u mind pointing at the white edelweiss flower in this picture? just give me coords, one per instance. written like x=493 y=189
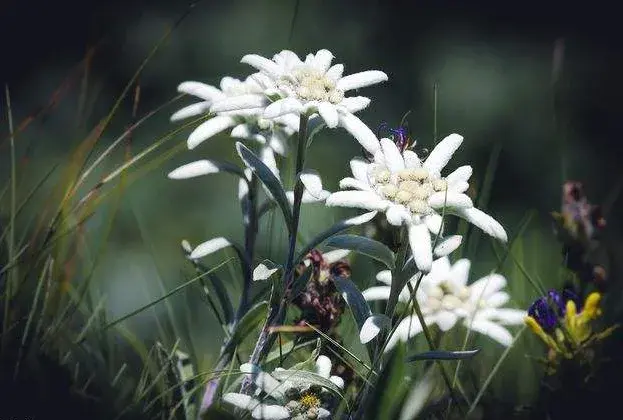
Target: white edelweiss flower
x=246 y=124
x=287 y=398
x=445 y=298
x=309 y=87
x=413 y=193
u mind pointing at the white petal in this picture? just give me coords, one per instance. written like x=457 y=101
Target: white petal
x=311 y=181
x=359 y=168
x=337 y=381
x=491 y=329
x=433 y=223
x=335 y=72
x=376 y=293
x=209 y=247
x=459 y=186
x=264 y=271
x=442 y=199
x=397 y=215
x=268 y=158
x=328 y=112
x=411 y=159
x=282 y=107
x=445 y=320
x=291 y=122
x=417 y=397
x=361 y=219
x=420 y=241
x=462 y=173
x=498 y=299
x=442 y=153
x=249 y=368
x=191 y=111
x=486 y=286
x=485 y=222
x=360 y=132
x=322 y=60
x=372 y=326
x=208 y=129
x=409 y=327
x=193 y=169
x=240 y=400
x=393 y=157
x=278 y=141
x=201 y=90
x=508 y=316
x=384 y=276
x=266 y=66
x=336 y=255
x=362 y=79
x=241 y=131
x=323 y=413
x=352 y=183
x=447 y=245
x=270 y=412
x=323 y=366
x=239 y=102
x=460 y=271
x=355 y=104
x=359 y=199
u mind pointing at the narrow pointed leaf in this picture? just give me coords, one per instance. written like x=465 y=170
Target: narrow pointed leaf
x=249 y=322
x=443 y=355
x=301 y=282
x=365 y=246
x=340 y=226
x=354 y=299
x=270 y=181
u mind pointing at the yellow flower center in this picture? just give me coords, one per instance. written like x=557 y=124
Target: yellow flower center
x=311 y=85
x=310 y=401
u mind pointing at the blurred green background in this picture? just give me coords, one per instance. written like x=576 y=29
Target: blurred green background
x=494 y=69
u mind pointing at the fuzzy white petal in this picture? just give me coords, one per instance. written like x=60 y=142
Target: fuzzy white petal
x=442 y=153
x=421 y=247
x=193 y=169
x=328 y=112
x=352 y=183
x=359 y=168
x=355 y=104
x=409 y=327
x=483 y=221
x=376 y=293
x=268 y=158
x=433 y=223
x=362 y=79
x=459 y=272
x=446 y=320
x=491 y=329
x=270 y=412
x=359 y=199
x=411 y=159
x=336 y=255
x=206 y=92
x=282 y=107
x=372 y=326
x=335 y=72
x=208 y=129
x=498 y=299
x=442 y=199
x=263 y=64
x=508 y=316
x=322 y=60
x=360 y=132
x=487 y=285
x=312 y=182
x=393 y=157
x=209 y=247
x=447 y=245
x=323 y=366
x=384 y=276
x=239 y=102
x=462 y=173
x=191 y=111
x=337 y=381
x=240 y=400
x=397 y=215
x=263 y=272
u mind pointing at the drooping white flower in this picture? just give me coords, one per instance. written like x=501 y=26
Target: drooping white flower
x=247 y=124
x=413 y=193
x=287 y=398
x=308 y=87
x=445 y=298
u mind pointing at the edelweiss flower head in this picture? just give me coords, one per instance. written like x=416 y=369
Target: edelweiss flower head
x=412 y=193
x=246 y=124
x=289 y=398
x=312 y=86
x=445 y=297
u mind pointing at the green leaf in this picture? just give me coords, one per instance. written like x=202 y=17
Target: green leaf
x=270 y=181
x=249 y=322
x=443 y=355
x=336 y=228
x=390 y=389
x=354 y=299
x=310 y=363
x=365 y=246
x=301 y=282
x=307 y=378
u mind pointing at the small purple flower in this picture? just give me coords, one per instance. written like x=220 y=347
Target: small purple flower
x=544 y=314
x=400 y=136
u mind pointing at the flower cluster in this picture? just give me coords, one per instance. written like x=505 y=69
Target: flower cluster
x=281 y=395
x=564 y=325
x=445 y=297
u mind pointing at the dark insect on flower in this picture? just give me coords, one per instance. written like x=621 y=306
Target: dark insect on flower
x=400 y=135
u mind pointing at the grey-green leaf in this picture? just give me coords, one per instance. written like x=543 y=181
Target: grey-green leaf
x=354 y=299
x=365 y=246
x=340 y=226
x=308 y=378
x=443 y=355
x=249 y=322
x=270 y=181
